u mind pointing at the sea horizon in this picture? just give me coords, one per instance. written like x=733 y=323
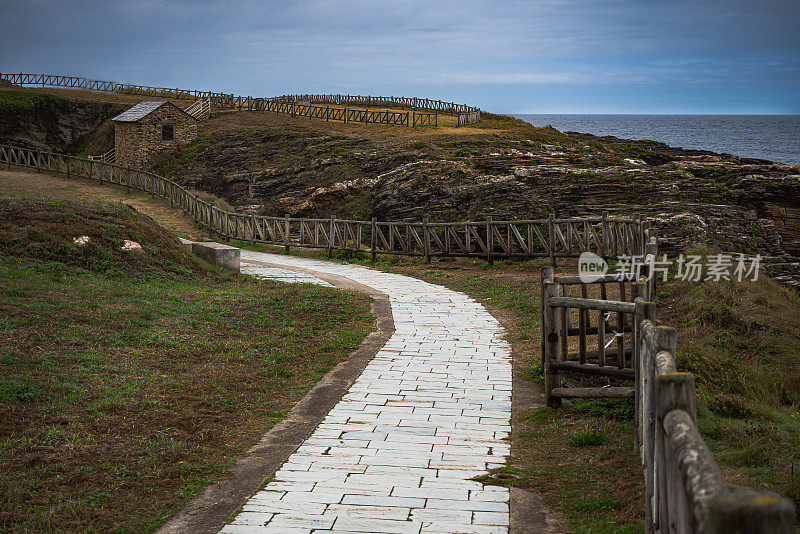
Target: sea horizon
x=762 y=136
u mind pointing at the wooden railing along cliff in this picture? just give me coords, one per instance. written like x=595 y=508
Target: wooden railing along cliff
x=536 y=238
x=685 y=489
x=303 y=104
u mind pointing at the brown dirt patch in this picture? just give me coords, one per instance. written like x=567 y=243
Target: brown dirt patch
x=54 y=187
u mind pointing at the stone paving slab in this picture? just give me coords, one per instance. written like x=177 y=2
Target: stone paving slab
x=280 y=275
x=396 y=454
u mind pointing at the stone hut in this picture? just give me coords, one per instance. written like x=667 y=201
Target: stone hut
x=149 y=128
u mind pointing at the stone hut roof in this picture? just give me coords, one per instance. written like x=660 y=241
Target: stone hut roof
x=143 y=109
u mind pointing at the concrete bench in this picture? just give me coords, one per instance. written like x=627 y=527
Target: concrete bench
x=221 y=255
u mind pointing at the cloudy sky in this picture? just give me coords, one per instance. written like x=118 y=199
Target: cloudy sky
x=539 y=56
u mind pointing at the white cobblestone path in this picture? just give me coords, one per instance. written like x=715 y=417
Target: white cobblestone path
x=397 y=453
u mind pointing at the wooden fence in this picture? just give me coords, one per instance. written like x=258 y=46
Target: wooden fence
x=538 y=238
x=302 y=104
x=76 y=82
x=471 y=117
x=685 y=490
x=380 y=101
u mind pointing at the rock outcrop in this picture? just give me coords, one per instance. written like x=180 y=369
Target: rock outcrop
x=738 y=204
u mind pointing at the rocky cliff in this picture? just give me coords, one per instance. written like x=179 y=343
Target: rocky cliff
x=741 y=205
x=48 y=122
x=503 y=168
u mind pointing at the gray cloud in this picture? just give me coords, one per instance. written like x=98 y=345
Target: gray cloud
x=492 y=53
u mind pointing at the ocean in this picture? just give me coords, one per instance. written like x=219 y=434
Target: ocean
x=772 y=137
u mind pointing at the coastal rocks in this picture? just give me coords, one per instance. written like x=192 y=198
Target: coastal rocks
x=739 y=205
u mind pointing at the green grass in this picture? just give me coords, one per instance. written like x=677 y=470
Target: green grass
x=128 y=383
x=21 y=101
x=590 y=438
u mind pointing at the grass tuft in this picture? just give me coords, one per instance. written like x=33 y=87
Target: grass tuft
x=590 y=438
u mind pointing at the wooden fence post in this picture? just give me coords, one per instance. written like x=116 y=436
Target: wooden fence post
x=672 y=390
x=605 y=239
x=426 y=241
x=69 y=166
x=547 y=276
x=252 y=227
x=102 y=173
x=638 y=317
x=38 y=159
x=551 y=238
x=551 y=331
x=286 y=228
x=330 y=237
x=373 y=239
x=489 y=241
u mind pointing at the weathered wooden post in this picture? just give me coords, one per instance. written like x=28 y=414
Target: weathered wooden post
x=252 y=227
x=373 y=239
x=489 y=241
x=69 y=166
x=642 y=376
x=286 y=228
x=551 y=331
x=547 y=276
x=551 y=238
x=331 y=230
x=38 y=161
x=426 y=241
x=673 y=390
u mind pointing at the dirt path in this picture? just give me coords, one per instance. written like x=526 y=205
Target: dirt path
x=59 y=188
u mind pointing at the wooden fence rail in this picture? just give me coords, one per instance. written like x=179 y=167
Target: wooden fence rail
x=685 y=490
x=379 y=101
x=223 y=101
x=537 y=238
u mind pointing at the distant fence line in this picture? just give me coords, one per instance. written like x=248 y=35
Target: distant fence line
x=685 y=491
x=345 y=114
x=380 y=101
x=537 y=238
x=466 y=114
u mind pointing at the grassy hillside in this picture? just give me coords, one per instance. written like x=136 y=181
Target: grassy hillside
x=131 y=379
x=741 y=341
